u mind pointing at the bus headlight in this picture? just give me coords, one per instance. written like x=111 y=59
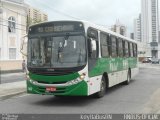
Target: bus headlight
x=81 y=77
x=78 y=80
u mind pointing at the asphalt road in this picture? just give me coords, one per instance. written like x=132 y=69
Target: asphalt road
x=141 y=96
x=12 y=77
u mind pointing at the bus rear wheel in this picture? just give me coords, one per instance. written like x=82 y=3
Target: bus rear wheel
x=102 y=91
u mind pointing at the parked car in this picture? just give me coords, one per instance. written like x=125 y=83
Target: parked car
x=146 y=60
x=155 y=61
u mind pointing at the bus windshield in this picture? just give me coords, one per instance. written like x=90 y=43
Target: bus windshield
x=57 y=52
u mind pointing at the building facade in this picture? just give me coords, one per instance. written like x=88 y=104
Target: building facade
x=12 y=29
x=36 y=16
x=119 y=28
x=132 y=36
x=137 y=29
x=150 y=27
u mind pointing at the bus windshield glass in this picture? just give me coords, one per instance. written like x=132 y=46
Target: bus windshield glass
x=57 y=52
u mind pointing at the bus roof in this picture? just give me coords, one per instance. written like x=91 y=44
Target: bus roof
x=93 y=25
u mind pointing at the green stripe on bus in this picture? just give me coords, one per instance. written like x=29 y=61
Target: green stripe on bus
x=110 y=65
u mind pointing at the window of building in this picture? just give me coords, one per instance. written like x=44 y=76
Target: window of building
x=11 y=25
x=12 y=53
x=104 y=38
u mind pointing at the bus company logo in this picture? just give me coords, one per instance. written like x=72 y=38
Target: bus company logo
x=50 y=69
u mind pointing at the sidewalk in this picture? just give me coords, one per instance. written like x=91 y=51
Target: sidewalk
x=11 y=89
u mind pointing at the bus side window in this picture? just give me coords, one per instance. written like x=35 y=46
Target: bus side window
x=104 y=38
x=124 y=52
x=114 y=46
x=126 y=49
x=117 y=47
x=120 y=47
x=135 y=50
x=131 y=50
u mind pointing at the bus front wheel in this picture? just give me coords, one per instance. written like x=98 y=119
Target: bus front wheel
x=102 y=91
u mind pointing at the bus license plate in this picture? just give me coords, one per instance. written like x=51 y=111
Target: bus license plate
x=50 y=89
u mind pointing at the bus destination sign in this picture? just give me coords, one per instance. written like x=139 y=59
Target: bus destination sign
x=56 y=27
x=59 y=28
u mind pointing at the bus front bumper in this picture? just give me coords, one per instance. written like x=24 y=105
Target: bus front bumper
x=66 y=89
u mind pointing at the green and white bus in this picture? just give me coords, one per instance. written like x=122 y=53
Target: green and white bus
x=77 y=58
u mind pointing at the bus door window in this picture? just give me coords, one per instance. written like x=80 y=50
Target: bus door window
x=92 y=47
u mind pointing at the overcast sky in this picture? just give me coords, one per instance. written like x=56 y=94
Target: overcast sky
x=104 y=12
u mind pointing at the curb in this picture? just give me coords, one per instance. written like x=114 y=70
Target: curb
x=9 y=90
x=4 y=97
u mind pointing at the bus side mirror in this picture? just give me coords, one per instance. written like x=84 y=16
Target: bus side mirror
x=23 y=49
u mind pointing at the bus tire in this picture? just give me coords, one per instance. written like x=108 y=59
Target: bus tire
x=102 y=91
x=128 y=78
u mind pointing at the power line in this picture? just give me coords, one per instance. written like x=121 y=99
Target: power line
x=14 y=28
x=4 y=20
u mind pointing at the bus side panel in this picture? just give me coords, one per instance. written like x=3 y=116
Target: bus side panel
x=116 y=68
x=94 y=84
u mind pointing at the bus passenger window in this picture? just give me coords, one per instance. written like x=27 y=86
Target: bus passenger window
x=104 y=38
x=131 y=50
x=135 y=50
x=114 y=46
x=126 y=49
x=120 y=47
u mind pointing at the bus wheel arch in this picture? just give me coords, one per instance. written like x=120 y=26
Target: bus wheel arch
x=129 y=74
x=129 y=70
x=103 y=86
x=105 y=75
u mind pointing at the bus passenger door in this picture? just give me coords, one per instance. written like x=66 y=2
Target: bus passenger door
x=93 y=54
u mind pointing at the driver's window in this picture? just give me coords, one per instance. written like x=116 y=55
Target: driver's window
x=93 y=43
x=93 y=48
